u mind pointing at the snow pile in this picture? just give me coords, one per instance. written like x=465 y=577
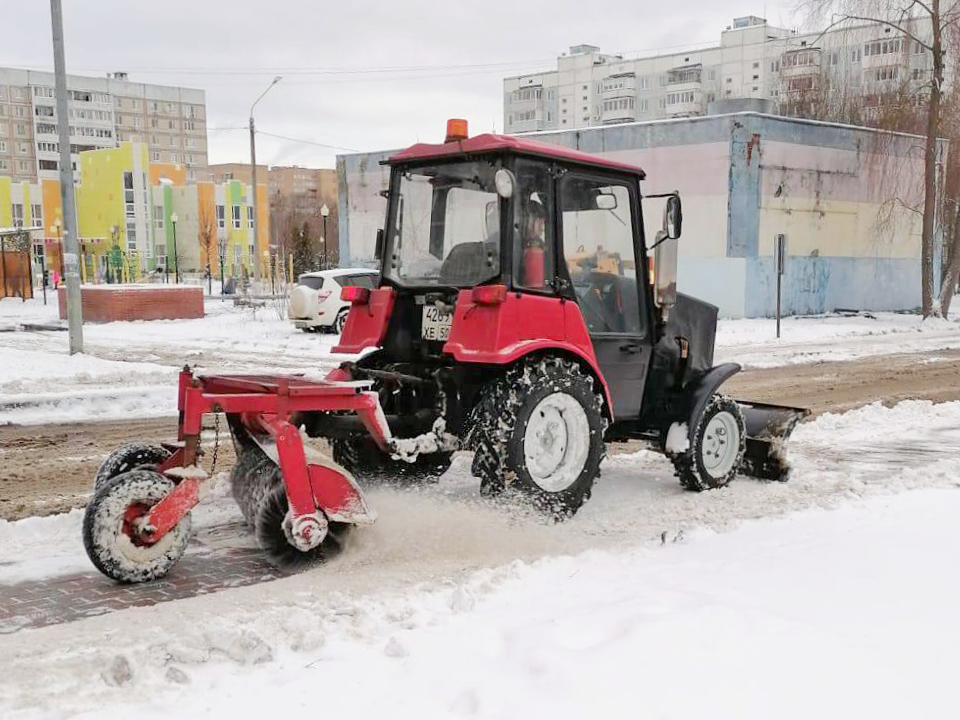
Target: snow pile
x=57 y=535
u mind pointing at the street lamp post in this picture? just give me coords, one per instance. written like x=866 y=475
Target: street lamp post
x=222 y=249
x=324 y=213
x=176 y=255
x=253 y=175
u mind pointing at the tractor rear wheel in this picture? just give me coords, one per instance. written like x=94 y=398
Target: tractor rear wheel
x=129 y=457
x=716 y=449
x=368 y=463
x=109 y=528
x=539 y=430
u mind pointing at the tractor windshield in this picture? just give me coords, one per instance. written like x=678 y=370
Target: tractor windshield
x=445 y=227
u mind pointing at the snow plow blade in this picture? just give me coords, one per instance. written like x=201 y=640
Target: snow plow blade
x=768 y=428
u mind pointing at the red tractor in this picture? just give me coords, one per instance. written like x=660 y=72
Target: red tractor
x=522 y=313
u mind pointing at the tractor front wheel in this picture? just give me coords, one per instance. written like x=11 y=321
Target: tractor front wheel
x=110 y=534
x=539 y=430
x=716 y=448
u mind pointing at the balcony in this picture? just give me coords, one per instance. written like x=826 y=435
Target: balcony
x=685 y=78
x=683 y=103
x=617 y=85
x=618 y=109
x=800 y=63
x=885 y=53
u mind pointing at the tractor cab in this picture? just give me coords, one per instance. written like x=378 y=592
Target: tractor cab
x=532 y=218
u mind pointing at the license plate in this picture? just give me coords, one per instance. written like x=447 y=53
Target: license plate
x=436 y=325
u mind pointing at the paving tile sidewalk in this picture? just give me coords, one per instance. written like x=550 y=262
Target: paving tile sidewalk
x=66 y=598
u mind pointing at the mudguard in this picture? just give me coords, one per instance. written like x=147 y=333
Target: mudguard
x=701 y=392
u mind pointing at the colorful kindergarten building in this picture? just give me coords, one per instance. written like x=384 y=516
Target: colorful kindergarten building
x=137 y=218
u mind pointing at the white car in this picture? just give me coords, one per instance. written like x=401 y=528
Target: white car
x=315 y=304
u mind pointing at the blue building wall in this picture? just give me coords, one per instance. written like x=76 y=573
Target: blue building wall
x=730 y=208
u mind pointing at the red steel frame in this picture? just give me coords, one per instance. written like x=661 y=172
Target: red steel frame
x=265 y=404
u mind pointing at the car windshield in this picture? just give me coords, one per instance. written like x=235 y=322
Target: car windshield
x=446 y=227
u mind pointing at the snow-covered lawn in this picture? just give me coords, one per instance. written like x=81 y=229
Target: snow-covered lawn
x=651 y=602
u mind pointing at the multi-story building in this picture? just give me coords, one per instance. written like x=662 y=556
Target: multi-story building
x=134 y=214
x=297 y=196
x=753 y=60
x=169 y=121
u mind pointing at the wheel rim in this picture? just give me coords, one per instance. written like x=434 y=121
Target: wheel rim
x=720 y=444
x=556 y=442
x=341 y=321
x=129 y=542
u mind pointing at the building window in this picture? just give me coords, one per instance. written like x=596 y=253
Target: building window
x=235 y=210
x=221 y=221
x=855 y=55
x=3 y=165
x=23 y=166
x=17 y=215
x=36 y=214
x=249 y=216
x=3 y=146
x=158 y=217
x=132 y=237
x=23 y=148
x=128 y=195
x=48 y=165
x=20 y=130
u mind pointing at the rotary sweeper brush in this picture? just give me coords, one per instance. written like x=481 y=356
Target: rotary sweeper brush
x=520 y=313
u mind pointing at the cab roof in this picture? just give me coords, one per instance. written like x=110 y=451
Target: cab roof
x=509 y=143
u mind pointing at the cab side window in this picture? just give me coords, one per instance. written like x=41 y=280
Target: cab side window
x=598 y=250
x=534 y=246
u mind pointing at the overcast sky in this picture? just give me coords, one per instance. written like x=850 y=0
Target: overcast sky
x=446 y=59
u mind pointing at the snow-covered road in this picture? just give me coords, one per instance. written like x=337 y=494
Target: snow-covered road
x=426 y=595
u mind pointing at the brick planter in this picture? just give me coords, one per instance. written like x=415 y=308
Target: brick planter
x=107 y=303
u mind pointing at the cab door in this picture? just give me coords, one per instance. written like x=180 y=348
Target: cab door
x=599 y=218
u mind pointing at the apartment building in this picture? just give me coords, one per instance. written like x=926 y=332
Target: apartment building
x=297 y=195
x=170 y=121
x=753 y=60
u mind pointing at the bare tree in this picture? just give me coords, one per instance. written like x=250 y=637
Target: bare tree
x=951 y=206
x=207 y=237
x=925 y=23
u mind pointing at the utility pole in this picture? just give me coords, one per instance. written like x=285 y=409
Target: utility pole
x=253 y=177
x=71 y=246
x=324 y=213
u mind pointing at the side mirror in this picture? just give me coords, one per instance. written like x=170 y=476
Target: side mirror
x=378 y=250
x=606 y=201
x=673 y=217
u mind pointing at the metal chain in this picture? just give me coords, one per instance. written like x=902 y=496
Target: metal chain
x=216 y=442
